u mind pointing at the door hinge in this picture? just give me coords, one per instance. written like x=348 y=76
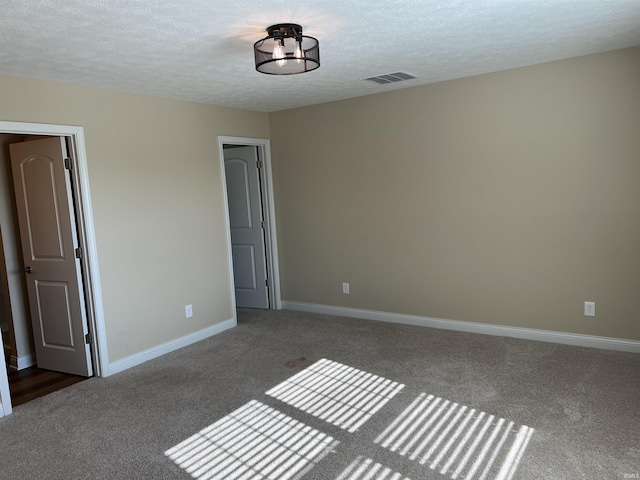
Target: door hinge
x=79 y=252
x=262 y=224
x=268 y=282
x=259 y=163
x=67 y=163
x=87 y=339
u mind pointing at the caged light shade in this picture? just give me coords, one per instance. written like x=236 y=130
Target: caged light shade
x=286 y=51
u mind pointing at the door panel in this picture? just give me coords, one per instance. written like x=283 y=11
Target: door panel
x=55 y=323
x=44 y=227
x=244 y=267
x=238 y=177
x=52 y=271
x=247 y=234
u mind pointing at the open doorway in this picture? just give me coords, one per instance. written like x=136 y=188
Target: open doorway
x=18 y=334
x=250 y=217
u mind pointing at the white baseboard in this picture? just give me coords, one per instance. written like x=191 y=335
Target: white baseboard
x=26 y=361
x=146 y=355
x=576 y=339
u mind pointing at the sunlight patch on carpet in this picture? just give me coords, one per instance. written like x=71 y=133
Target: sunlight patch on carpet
x=255 y=441
x=366 y=469
x=456 y=440
x=341 y=395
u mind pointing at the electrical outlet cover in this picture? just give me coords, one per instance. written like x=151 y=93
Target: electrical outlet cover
x=589 y=309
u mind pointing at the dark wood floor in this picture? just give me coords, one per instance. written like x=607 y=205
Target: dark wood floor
x=30 y=383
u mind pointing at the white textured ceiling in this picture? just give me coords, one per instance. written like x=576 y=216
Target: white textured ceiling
x=201 y=50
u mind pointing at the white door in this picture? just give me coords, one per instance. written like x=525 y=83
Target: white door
x=247 y=227
x=48 y=234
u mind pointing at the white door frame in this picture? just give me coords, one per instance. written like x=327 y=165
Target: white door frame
x=5 y=394
x=273 y=272
x=91 y=274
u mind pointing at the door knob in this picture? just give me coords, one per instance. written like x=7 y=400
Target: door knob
x=29 y=270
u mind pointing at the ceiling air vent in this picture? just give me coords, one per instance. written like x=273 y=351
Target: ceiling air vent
x=390 y=78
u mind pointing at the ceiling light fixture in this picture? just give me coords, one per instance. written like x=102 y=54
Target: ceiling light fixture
x=285 y=51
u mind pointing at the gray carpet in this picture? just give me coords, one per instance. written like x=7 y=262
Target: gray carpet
x=579 y=409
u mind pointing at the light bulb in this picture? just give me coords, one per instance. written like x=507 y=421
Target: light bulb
x=299 y=54
x=278 y=52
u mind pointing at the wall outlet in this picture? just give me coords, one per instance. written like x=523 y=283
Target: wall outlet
x=345 y=288
x=188 y=311
x=589 y=309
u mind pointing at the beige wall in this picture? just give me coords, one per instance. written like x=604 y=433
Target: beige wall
x=157 y=202
x=507 y=198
